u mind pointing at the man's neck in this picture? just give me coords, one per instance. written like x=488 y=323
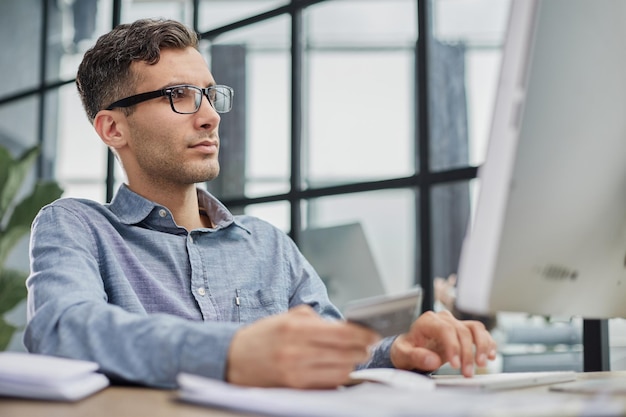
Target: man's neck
x=182 y=203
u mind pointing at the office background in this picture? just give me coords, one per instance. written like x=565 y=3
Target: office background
x=373 y=112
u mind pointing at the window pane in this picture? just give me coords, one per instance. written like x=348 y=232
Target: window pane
x=83 y=21
x=359 y=130
x=464 y=68
x=359 y=90
x=18 y=124
x=81 y=155
x=20 y=38
x=215 y=13
x=50 y=134
x=617 y=342
x=255 y=144
x=181 y=10
x=275 y=213
x=390 y=238
x=363 y=23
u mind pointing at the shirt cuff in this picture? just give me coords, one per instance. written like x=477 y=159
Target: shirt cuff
x=205 y=352
x=381 y=357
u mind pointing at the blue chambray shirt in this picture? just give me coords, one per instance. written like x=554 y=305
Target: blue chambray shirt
x=122 y=285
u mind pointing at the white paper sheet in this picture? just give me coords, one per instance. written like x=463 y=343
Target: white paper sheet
x=376 y=400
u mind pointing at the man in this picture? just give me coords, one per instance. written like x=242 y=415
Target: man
x=165 y=279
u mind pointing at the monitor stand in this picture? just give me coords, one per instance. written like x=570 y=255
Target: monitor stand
x=596 y=353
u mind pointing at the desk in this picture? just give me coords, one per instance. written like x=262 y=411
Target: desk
x=114 y=401
x=137 y=402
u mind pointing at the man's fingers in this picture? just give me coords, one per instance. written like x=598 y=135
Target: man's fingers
x=485 y=345
x=297 y=349
x=473 y=344
x=420 y=358
x=461 y=351
x=456 y=339
x=338 y=334
x=343 y=335
x=311 y=355
x=461 y=343
x=319 y=377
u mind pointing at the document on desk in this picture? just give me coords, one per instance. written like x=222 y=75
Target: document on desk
x=27 y=375
x=376 y=400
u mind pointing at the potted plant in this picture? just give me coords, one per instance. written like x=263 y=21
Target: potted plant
x=16 y=216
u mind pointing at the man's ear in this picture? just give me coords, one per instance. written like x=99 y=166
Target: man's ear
x=112 y=128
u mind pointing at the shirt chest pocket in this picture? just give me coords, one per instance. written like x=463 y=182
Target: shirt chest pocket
x=254 y=304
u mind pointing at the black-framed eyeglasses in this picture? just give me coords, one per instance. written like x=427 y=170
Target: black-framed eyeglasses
x=185 y=99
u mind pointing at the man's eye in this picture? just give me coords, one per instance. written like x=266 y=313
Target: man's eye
x=179 y=93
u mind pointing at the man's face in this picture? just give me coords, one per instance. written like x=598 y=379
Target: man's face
x=164 y=147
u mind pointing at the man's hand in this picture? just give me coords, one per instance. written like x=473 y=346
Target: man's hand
x=297 y=349
x=437 y=338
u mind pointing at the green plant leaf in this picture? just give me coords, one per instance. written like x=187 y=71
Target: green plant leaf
x=12 y=176
x=24 y=213
x=12 y=289
x=6 y=333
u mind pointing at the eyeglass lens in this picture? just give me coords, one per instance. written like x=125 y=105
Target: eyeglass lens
x=187 y=99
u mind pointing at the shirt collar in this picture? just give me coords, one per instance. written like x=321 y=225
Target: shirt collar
x=131 y=208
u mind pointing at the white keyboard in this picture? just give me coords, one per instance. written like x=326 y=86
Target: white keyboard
x=502 y=381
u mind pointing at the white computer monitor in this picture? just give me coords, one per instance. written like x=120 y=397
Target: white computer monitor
x=549 y=232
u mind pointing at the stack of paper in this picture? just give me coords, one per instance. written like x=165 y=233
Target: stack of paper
x=48 y=378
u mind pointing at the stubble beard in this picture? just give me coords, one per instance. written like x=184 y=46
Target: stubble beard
x=165 y=172
x=194 y=174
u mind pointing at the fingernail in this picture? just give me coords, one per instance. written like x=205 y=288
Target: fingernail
x=430 y=362
x=468 y=370
x=455 y=362
x=482 y=359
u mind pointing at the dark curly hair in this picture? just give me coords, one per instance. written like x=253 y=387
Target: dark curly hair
x=104 y=76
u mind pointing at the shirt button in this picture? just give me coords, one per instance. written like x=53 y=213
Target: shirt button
x=201 y=291
x=162 y=213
